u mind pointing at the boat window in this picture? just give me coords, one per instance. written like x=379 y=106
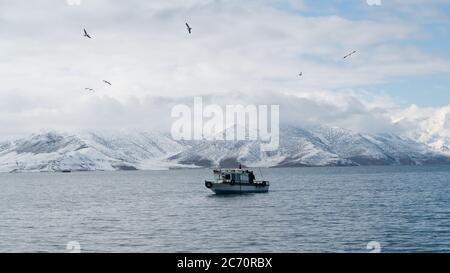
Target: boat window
x=236 y=177
x=244 y=177
x=217 y=176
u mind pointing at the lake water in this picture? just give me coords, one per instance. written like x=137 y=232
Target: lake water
x=405 y=209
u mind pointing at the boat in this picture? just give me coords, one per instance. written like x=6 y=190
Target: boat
x=232 y=181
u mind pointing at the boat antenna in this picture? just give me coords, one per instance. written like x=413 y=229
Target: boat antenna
x=260 y=172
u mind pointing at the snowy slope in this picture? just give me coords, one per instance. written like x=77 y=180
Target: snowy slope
x=430 y=126
x=316 y=146
x=54 y=151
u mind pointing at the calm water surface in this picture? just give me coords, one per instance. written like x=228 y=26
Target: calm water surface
x=405 y=209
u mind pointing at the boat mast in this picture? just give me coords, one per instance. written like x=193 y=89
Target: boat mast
x=260 y=172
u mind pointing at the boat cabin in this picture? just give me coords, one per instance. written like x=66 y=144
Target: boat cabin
x=236 y=181
x=234 y=176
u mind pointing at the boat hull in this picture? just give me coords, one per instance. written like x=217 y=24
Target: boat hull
x=224 y=188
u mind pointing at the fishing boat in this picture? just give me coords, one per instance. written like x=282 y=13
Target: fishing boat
x=229 y=181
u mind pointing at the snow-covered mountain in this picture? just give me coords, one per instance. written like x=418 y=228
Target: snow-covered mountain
x=430 y=126
x=317 y=146
x=54 y=151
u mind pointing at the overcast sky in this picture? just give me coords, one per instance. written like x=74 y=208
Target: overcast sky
x=241 y=51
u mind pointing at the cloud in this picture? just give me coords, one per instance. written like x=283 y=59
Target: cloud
x=237 y=47
x=428 y=125
x=154 y=113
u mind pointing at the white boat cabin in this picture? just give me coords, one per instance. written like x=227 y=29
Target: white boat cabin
x=234 y=176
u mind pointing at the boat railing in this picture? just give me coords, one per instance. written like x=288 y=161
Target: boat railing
x=227 y=181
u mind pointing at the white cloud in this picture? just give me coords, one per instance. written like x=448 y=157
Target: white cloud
x=236 y=47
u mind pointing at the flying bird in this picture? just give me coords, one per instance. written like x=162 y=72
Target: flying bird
x=189 y=28
x=89 y=89
x=346 y=56
x=86 y=34
x=301 y=74
x=107 y=82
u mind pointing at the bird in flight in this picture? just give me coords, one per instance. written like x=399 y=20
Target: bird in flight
x=86 y=34
x=189 y=28
x=346 y=56
x=107 y=82
x=89 y=89
x=301 y=74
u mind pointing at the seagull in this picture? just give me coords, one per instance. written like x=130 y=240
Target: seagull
x=89 y=89
x=301 y=74
x=189 y=28
x=346 y=56
x=86 y=34
x=107 y=82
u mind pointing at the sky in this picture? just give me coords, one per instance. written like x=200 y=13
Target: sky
x=240 y=51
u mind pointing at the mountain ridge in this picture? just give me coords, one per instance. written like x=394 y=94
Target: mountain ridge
x=139 y=150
